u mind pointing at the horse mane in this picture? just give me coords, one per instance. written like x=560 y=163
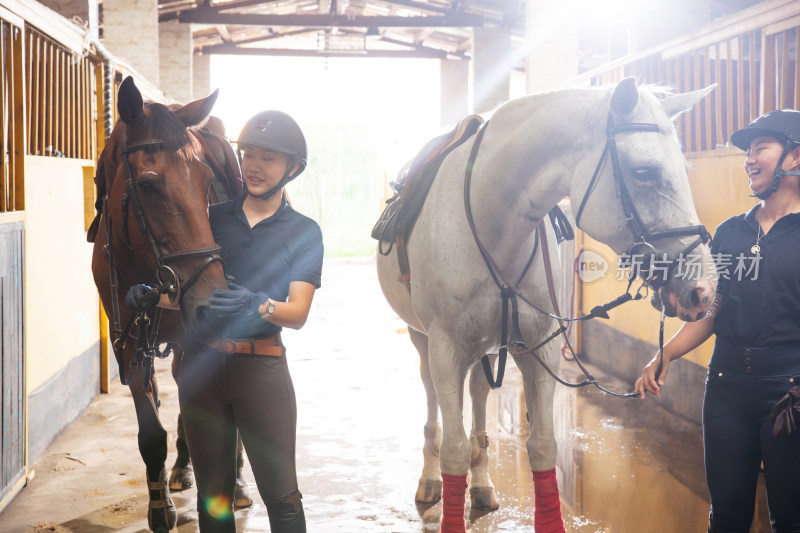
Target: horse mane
x=167 y=127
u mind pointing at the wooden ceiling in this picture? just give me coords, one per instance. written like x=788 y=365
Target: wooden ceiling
x=380 y=28
x=355 y=28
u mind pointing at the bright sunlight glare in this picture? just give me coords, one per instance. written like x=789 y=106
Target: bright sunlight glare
x=364 y=118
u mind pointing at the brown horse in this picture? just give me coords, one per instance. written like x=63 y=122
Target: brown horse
x=154 y=182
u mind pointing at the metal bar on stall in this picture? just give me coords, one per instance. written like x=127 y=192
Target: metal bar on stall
x=730 y=105
x=784 y=91
x=717 y=130
x=767 y=74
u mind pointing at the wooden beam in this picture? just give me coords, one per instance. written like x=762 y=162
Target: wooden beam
x=225 y=49
x=223 y=32
x=260 y=38
x=202 y=16
x=420 y=6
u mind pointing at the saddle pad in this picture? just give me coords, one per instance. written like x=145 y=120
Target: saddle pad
x=402 y=209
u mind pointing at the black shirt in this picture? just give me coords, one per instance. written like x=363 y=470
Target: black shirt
x=760 y=292
x=266 y=258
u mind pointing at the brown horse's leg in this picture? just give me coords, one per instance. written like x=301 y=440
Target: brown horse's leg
x=161 y=513
x=181 y=476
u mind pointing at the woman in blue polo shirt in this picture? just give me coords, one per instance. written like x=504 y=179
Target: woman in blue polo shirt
x=756 y=319
x=240 y=379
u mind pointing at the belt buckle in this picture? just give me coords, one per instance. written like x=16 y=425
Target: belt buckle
x=227 y=346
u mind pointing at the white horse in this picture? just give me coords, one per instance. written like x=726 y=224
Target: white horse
x=535 y=151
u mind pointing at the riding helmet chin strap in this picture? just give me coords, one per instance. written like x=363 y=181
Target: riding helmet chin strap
x=779 y=173
x=281 y=184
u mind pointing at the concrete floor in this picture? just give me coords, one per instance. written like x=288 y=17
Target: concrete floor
x=624 y=465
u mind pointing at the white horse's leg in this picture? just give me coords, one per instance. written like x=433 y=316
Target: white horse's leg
x=481 y=490
x=430 y=482
x=541 y=443
x=448 y=374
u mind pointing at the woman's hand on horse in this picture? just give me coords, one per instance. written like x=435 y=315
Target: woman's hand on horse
x=236 y=300
x=648 y=380
x=141 y=297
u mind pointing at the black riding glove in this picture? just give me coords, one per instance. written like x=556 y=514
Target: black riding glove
x=141 y=297
x=235 y=301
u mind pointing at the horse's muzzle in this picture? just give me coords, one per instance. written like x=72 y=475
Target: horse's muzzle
x=687 y=303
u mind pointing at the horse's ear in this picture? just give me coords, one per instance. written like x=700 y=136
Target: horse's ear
x=129 y=101
x=624 y=97
x=196 y=112
x=681 y=103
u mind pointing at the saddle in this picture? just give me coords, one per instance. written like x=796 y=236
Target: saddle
x=397 y=220
x=410 y=190
x=225 y=185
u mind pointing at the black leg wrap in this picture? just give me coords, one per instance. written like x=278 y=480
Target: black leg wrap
x=288 y=516
x=161 y=512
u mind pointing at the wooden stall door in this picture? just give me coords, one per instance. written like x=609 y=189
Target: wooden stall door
x=12 y=363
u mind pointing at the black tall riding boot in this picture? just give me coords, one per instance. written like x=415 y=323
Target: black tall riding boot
x=287 y=516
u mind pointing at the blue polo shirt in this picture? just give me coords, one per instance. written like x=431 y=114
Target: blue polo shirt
x=266 y=258
x=761 y=292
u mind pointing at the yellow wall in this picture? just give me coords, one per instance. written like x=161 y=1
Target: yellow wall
x=61 y=305
x=720 y=190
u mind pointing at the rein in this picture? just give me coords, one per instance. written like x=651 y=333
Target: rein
x=167 y=280
x=510 y=293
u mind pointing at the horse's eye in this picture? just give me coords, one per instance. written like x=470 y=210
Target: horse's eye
x=147 y=187
x=645 y=176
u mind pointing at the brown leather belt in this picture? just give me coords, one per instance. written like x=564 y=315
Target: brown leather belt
x=268 y=346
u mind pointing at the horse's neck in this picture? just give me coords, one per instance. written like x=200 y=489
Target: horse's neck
x=532 y=149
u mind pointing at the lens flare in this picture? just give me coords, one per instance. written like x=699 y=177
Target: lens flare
x=219 y=507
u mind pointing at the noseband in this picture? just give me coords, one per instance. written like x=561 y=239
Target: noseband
x=642 y=237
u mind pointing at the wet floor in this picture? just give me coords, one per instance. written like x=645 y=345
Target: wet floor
x=623 y=466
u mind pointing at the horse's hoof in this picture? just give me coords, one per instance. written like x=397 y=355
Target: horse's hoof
x=181 y=478
x=429 y=491
x=483 y=499
x=241 y=498
x=162 y=519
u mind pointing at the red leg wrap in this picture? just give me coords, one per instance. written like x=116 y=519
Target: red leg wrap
x=547 y=504
x=454 y=489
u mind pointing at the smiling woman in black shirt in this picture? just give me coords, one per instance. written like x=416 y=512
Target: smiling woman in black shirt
x=240 y=379
x=756 y=319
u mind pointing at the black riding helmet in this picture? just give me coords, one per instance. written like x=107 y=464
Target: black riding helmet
x=783 y=125
x=276 y=131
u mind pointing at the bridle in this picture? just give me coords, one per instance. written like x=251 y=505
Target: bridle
x=167 y=281
x=642 y=238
